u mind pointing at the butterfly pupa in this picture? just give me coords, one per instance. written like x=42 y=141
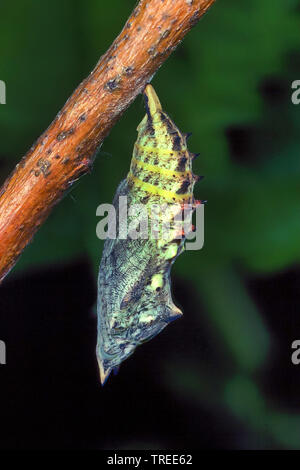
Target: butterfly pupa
x=134 y=293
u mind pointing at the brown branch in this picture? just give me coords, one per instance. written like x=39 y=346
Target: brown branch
x=65 y=151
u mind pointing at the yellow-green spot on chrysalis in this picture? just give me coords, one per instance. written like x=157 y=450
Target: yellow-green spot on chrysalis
x=171 y=251
x=157 y=281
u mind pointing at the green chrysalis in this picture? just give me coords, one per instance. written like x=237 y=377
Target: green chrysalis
x=134 y=294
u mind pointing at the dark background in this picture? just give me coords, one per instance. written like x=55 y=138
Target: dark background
x=222 y=376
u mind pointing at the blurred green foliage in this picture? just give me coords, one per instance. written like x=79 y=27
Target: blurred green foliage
x=211 y=84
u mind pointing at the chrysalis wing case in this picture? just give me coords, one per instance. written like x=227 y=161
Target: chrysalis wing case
x=134 y=294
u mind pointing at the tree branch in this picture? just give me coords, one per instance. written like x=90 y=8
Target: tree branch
x=65 y=151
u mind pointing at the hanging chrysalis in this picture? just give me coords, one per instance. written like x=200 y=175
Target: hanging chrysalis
x=134 y=294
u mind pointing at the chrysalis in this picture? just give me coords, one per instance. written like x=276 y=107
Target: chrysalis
x=134 y=294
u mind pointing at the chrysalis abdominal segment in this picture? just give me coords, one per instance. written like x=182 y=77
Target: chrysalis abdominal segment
x=134 y=293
